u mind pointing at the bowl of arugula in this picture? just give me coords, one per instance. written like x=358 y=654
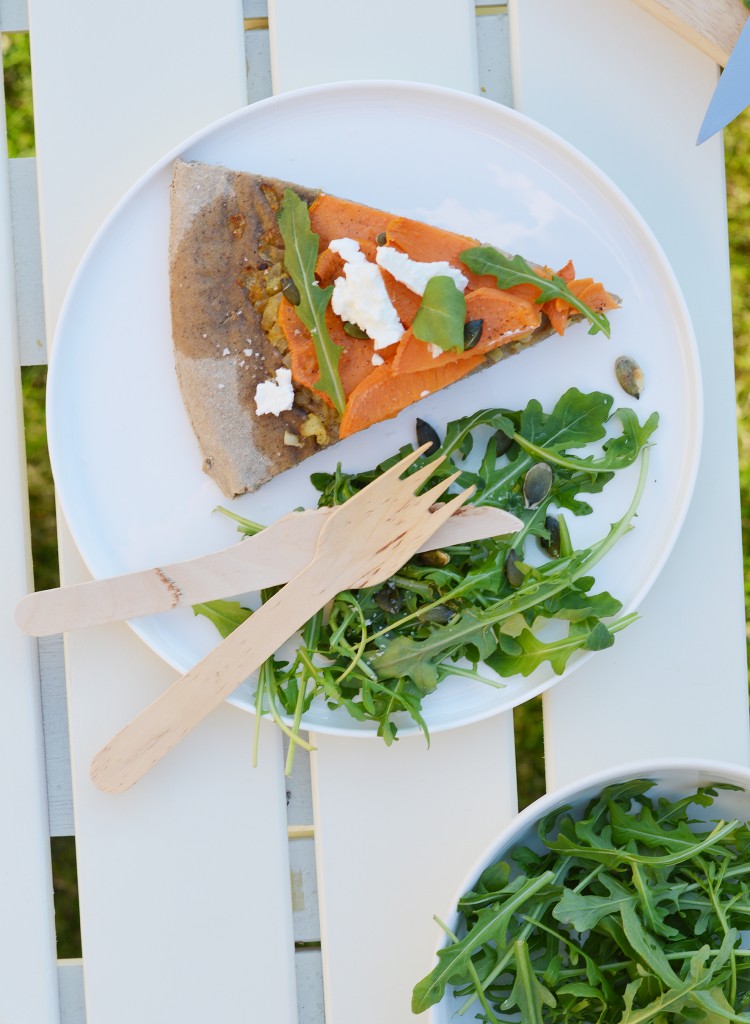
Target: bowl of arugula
x=624 y=898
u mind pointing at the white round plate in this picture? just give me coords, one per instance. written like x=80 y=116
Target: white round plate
x=125 y=461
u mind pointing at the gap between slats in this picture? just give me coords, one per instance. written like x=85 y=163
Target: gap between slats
x=14 y=16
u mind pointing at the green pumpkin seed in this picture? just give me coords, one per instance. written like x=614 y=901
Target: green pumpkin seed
x=382 y=238
x=502 y=442
x=427 y=434
x=290 y=291
x=629 y=376
x=537 y=484
x=434 y=559
x=472 y=333
x=441 y=614
x=513 y=574
x=354 y=330
x=389 y=598
x=552 y=543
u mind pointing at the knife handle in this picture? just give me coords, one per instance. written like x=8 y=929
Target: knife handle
x=97 y=601
x=161 y=726
x=266 y=559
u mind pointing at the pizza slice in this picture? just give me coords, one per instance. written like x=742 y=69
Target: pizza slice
x=300 y=318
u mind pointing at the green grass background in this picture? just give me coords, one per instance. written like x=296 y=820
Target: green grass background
x=528 y=721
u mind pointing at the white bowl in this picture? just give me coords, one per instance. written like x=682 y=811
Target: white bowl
x=673 y=778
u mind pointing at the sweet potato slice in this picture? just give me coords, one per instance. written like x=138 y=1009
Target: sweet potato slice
x=593 y=293
x=428 y=244
x=384 y=393
x=355 y=362
x=505 y=318
x=531 y=292
x=404 y=299
x=331 y=218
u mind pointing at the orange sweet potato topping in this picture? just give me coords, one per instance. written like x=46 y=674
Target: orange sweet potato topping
x=331 y=218
x=355 y=362
x=428 y=244
x=410 y=371
x=593 y=293
x=384 y=393
x=505 y=317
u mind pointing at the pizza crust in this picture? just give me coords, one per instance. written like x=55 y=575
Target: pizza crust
x=222 y=231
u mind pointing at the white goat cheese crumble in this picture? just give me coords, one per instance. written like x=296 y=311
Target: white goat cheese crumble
x=360 y=296
x=275 y=396
x=414 y=274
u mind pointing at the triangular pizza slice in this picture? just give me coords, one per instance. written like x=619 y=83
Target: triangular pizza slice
x=299 y=318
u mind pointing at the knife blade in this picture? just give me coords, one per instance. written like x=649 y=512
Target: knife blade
x=267 y=559
x=732 y=93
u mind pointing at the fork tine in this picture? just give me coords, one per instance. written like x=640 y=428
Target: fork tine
x=440 y=488
x=403 y=464
x=421 y=475
x=446 y=509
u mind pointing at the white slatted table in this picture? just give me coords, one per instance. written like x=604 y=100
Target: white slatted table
x=187 y=910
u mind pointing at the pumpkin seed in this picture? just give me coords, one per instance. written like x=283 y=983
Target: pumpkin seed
x=290 y=291
x=441 y=614
x=435 y=559
x=502 y=442
x=537 y=484
x=551 y=544
x=427 y=434
x=354 y=330
x=381 y=238
x=390 y=598
x=629 y=376
x=513 y=574
x=472 y=333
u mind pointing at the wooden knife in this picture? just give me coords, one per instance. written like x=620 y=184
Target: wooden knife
x=266 y=559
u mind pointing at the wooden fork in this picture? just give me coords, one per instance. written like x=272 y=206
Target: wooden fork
x=362 y=543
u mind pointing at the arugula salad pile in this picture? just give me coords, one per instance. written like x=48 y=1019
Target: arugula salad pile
x=381 y=651
x=632 y=912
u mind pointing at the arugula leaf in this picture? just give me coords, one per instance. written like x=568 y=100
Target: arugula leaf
x=523 y=654
x=225 y=615
x=576 y=420
x=585 y=912
x=419 y=659
x=528 y=993
x=441 y=314
x=490 y=924
x=300 y=256
x=512 y=270
x=576 y=603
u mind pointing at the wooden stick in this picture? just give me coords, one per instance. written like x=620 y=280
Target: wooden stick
x=713 y=27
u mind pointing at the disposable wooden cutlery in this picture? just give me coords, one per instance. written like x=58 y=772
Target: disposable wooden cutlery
x=361 y=543
x=266 y=559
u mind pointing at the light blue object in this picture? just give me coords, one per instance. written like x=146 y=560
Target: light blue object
x=732 y=94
